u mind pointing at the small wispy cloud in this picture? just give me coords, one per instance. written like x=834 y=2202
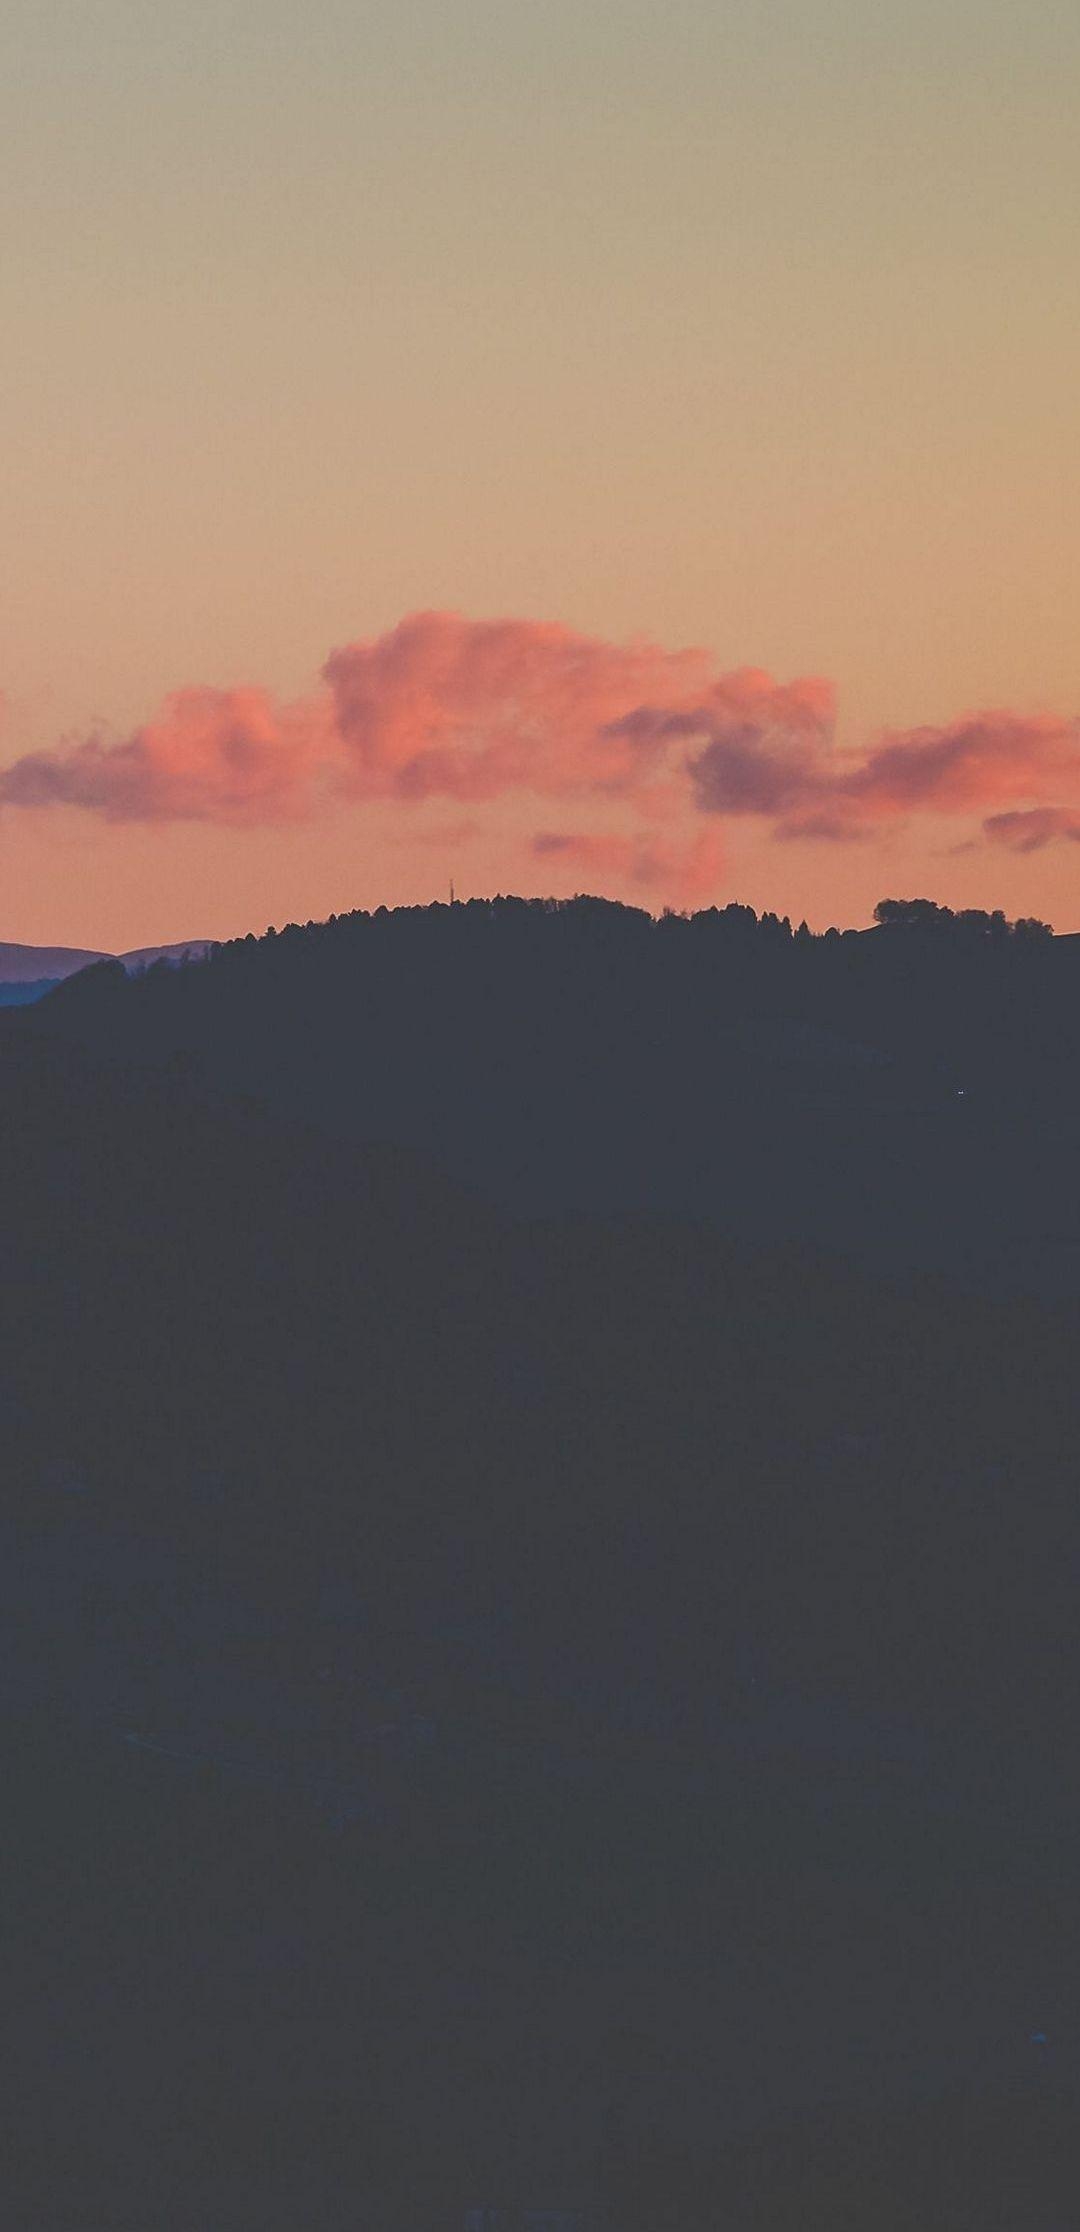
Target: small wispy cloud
x=1029 y=831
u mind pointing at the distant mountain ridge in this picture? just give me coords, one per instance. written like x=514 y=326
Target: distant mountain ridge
x=26 y=964
x=26 y=971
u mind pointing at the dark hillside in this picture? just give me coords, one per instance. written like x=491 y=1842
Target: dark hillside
x=517 y=1684
x=863 y=1092
x=909 y=1094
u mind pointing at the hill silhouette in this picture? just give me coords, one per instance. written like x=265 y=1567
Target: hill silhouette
x=909 y=1094
x=536 y=1662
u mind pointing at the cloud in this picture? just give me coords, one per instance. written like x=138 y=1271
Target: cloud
x=959 y=768
x=226 y=756
x=824 y=825
x=688 y=871
x=442 y=836
x=470 y=712
x=472 y=709
x=1030 y=831
x=438 y=707
x=971 y=763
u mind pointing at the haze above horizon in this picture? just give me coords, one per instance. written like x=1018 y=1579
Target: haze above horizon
x=334 y=336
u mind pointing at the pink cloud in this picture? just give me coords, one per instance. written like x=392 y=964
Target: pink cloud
x=1030 y=831
x=688 y=871
x=443 y=835
x=971 y=763
x=212 y=755
x=959 y=768
x=471 y=709
x=467 y=711
x=440 y=706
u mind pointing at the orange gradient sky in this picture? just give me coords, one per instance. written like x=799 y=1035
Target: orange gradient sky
x=750 y=328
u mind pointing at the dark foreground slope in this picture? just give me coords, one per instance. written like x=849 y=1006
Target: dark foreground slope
x=910 y=1094
x=503 y=1707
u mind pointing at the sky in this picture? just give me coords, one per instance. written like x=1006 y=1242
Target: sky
x=575 y=446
